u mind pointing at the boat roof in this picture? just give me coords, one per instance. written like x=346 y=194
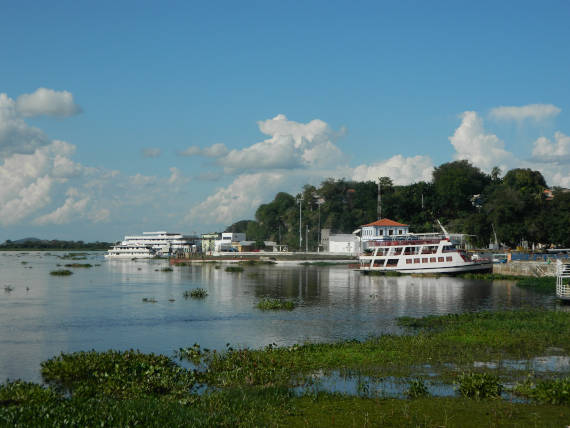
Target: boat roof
x=385 y=222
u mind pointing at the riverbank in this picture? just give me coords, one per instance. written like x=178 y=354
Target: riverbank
x=286 y=386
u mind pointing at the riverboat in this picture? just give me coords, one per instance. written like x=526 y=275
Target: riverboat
x=392 y=248
x=126 y=251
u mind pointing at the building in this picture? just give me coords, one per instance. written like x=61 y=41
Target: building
x=383 y=229
x=208 y=242
x=229 y=242
x=164 y=243
x=343 y=244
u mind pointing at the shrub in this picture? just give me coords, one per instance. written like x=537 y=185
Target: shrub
x=552 y=391
x=61 y=272
x=417 y=389
x=268 y=304
x=479 y=385
x=197 y=293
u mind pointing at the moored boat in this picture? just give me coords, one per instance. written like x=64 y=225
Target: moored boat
x=389 y=246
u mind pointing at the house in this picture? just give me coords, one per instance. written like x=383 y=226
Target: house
x=383 y=229
x=229 y=240
x=208 y=242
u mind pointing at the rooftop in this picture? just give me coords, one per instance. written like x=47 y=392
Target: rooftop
x=386 y=222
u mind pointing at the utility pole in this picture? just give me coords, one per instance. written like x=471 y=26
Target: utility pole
x=379 y=198
x=306 y=238
x=300 y=201
x=320 y=201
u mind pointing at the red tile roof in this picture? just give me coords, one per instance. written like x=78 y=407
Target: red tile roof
x=385 y=222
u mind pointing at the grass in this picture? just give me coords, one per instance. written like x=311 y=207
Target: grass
x=78 y=265
x=234 y=269
x=269 y=304
x=252 y=387
x=197 y=293
x=61 y=272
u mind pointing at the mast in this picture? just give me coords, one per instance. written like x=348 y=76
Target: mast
x=379 y=210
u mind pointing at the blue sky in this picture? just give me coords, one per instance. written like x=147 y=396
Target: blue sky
x=332 y=89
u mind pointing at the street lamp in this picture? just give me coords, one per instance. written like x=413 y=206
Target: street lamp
x=300 y=201
x=320 y=201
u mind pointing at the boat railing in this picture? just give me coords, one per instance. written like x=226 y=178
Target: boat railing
x=562 y=280
x=403 y=241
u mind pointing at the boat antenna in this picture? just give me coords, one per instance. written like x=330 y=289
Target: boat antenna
x=379 y=198
x=442 y=228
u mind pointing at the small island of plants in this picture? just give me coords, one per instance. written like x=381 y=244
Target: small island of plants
x=61 y=272
x=269 y=304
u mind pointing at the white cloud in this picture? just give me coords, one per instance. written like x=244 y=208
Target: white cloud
x=151 y=152
x=72 y=209
x=471 y=142
x=400 y=169
x=176 y=178
x=292 y=145
x=536 y=112
x=213 y=151
x=142 y=180
x=15 y=135
x=557 y=151
x=47 y=102
x=240 y=199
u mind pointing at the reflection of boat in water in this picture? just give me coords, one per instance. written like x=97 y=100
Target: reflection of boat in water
x=389 y=246
x=133 y=251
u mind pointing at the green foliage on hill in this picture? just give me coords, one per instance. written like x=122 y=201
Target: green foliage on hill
x=461 y=196
x=54 y=244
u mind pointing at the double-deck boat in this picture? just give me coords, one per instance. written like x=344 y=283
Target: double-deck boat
x=389 y=246
x=152 y=244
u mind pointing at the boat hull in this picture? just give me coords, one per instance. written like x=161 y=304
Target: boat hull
x=467 y=267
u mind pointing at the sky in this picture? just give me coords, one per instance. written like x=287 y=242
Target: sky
x=123 y=117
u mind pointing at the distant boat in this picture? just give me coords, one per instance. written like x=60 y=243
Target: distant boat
x=395 y=249
x=152 y=244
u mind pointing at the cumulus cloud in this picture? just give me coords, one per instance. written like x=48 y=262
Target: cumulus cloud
x=291 y=145
x=557 y=151
x=537 y=112
x=482 y=149
x=151 y=152
x=16 y=136
x=47 y=102
x=238 y=199
x=74 y=207
x=213 y=151
x=402 y=170
x=26 y=180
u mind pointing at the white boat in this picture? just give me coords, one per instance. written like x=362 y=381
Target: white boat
x=388 y=246
x=153 y=244
x=130 y=251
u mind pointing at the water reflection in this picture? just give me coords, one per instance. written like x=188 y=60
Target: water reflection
x=102 y=307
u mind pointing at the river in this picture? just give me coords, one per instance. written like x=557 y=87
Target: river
x=102 y=307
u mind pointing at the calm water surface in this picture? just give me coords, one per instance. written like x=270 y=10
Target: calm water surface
x=102 y=308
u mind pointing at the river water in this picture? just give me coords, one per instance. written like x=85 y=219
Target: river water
x=102 y=307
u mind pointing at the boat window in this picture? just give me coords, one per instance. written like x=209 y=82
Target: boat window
x=408 y=261
x=424 y=260
x=449 y=258
x=432 y=260
x=416 y=261
x=392 y=262
x=390 y=232
x=440 y=259
x=398 y=251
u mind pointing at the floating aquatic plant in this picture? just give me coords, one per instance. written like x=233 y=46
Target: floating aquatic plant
x=61 y=272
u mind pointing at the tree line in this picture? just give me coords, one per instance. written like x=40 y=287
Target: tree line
x=515 y=207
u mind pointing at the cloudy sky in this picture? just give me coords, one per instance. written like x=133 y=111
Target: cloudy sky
x=119 y=117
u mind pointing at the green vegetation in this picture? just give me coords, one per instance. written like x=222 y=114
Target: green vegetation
x=79 y=265
x=546 y=284
x=257 y=262
x=61 y=272
x=166 y=269
x=479 y=385
x=8 y=288
x=74 y=256
x=253 y=387
x=551 y=391
x=463 y=197
x=149 y=300
x=234 y=269
x=268 y=304
x=197 y=293
x=33 y=244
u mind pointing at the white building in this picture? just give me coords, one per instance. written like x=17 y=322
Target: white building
x=383 y=229
x=163 y=243
x=344 y=244
x=229 y=238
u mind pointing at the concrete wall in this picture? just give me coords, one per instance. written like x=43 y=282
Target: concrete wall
x=526 y=268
